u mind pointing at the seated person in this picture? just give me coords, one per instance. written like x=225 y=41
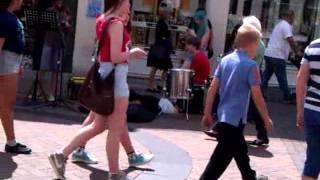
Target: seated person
x=144 y=108
x=201 y=67
x=199 y=61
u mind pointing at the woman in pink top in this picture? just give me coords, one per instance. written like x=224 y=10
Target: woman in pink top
x=114 y=55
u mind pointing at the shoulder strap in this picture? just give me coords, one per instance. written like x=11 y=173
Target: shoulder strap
x=104 y=35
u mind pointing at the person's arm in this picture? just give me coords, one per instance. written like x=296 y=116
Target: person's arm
x=254 y=82
x=186 y=64
x=288 y=35
x=207 y=120
x=261 y=105
x=116 y=40
x=294 y=46
x=205 y=40
x=2 y=40
x=302 y=79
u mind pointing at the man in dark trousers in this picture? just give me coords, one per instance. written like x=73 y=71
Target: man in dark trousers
x=236 y=76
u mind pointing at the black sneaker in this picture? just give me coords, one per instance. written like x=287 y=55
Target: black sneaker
x=18 y=149
x=259 y=142
x=211 y=133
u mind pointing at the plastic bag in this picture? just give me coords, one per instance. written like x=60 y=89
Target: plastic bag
x=167 y=107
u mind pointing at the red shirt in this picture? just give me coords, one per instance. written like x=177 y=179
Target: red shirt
x=104 y=54
x=201 y=66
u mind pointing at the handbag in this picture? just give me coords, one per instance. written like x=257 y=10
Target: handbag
x=97 y=94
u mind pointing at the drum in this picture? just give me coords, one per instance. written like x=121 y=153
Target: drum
x=179 y=83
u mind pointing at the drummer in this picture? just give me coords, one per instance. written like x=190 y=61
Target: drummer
x=201 y=67
x=199 y=61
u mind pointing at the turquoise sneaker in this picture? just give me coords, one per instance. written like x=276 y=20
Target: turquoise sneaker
x=83 y=156
x=139 y=159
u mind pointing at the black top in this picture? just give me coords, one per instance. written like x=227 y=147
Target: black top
x=11 y=29
x=162 y=32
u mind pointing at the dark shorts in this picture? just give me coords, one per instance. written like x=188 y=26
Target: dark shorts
x=312 y=131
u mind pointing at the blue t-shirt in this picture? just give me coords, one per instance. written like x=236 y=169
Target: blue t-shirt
x=237 y=72
x=11 y=29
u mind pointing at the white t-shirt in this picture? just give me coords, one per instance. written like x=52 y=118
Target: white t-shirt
x=278 y=46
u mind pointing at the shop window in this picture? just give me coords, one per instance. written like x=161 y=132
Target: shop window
x=247 y=7
x=233 y=7
x=307 y=17
x=145 y=16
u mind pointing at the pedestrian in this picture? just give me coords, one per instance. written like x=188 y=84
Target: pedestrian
x=253 y=114
x=308 y=108
x=201 y=67
x=114 y=54
x=80 y=155
x=201 y=27
x=54 y=46
x=11 y=49
x=159 y=55
x=277 y=53
x=236 y=76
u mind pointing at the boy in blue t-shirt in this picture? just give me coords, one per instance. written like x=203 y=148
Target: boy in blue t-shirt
x=236 y=76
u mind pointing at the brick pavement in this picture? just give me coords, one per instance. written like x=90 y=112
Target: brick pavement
x=46 y=135
x=283 y=159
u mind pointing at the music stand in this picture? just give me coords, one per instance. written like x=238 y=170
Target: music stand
x=41 y=22
x=49 y=20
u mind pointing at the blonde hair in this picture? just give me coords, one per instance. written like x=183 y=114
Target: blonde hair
x=246 y=35
x=254 y=21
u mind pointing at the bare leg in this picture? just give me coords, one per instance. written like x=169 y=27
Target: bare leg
x=125 y=138
x=117 y=124
x=164 y=78
x=86 y=133
x=152 y=75
x=89 y=120
x=308 y=178
x=53 y=86
x=126 y=141
x=8 y=94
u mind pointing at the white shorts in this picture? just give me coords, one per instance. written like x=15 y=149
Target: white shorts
x=121 y=88
x=9 y=62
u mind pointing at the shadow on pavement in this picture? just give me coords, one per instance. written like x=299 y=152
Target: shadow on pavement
x=7 y=165
x=38 y=116
x=131 y=169
x=259 y=151
x=96 y=174
x=99 y=174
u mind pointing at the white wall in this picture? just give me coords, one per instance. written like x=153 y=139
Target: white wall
x=218 y=11
x=84 y=40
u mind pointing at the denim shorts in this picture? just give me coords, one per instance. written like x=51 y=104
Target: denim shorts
x=312 y=131
x=121 y=88
x=9 y=62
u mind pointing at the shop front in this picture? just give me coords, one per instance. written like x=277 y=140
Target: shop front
x=224 y=15
x=306 y=25
x=144 y=16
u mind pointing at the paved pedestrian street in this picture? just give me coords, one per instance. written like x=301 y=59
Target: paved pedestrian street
x=181 y=149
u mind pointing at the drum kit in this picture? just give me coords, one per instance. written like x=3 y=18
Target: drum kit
x=179 y=87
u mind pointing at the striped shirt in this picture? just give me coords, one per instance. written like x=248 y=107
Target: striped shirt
x=312 y=58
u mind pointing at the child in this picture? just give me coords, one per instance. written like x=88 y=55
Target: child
x=235 y=77
x=199 y=63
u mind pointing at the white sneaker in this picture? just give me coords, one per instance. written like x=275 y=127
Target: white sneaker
x=58 y=164
x=139 y=159
x=82 y=156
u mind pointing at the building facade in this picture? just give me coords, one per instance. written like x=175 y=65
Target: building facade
x=224 y=15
